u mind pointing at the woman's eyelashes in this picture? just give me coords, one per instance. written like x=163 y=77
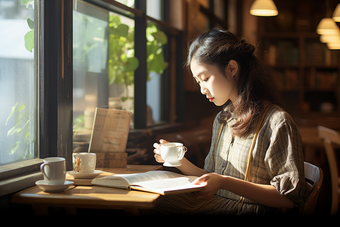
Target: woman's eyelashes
x=198 y=81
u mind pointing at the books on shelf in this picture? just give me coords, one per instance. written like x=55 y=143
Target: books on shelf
x=322 y=80
x=319 y=54
x=284 y=52
x=288 y=53
x=161 y=182
x=288 y=79
x=318 y=70
x=315 y=53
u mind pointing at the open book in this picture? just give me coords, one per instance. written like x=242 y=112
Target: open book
x=162 y=182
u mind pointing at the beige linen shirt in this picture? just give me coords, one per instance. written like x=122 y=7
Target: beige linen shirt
x=277 y=158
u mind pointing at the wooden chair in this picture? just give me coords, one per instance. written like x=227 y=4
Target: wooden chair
x=331 y=137
x=313 y=176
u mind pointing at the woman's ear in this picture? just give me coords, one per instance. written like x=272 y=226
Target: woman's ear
x=232 y=67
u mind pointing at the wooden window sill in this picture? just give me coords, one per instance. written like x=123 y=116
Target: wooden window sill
x=17 y=176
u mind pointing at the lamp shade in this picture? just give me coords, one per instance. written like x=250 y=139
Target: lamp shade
x=327 y=26
x=333 y=46
x=336 y=14
x=330 y=38
x=264 y=8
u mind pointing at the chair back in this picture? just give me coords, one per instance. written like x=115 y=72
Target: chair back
x=314 y=176
x=329 y=138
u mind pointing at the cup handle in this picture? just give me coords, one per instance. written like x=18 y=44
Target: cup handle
x=42 y=168
x=183 y=149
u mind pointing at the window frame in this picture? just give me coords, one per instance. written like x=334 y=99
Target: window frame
x=54 y=99
x=56 y=79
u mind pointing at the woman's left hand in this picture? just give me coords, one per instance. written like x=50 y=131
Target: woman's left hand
x=212 y=182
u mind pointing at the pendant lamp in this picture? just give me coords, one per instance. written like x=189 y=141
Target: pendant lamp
x=333 y=46
x=336 y=14
x=330 y=38
x=327 y=26
x=264 y=8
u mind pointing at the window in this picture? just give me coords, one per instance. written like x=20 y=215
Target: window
x=18 y=81
x=103 y=64
x=108 y=72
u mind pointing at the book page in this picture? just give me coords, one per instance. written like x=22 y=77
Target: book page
x=152 y=181
x=133 y=178
x=111 y=181
x=169 y=184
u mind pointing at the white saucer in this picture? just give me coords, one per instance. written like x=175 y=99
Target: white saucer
x=84 y=175
x=167 y=164
x=53 y=188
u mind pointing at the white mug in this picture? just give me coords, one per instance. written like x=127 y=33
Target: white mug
x=54 y=170
x=86 y=162
x=172 y=153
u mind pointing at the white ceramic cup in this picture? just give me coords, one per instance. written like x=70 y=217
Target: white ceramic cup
x=87 y=162
x=54 y=170
x=172 y=153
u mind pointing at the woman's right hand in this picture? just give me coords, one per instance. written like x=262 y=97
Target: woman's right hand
x=157 y=150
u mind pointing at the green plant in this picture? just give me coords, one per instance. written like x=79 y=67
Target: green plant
x=155 y=56
x=29 y=36
x=122 y=62
x=21 y=129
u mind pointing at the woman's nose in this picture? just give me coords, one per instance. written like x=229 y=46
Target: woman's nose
x=204 y=90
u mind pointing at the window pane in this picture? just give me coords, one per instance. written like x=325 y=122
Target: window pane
x=154 y=9
x=18 y=82
x=103 y=64
x=157 y=64
x=121 y=62
x=129 y=3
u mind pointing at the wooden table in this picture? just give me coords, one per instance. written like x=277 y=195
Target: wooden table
x=311 y=143
x=310 y=137
x=90 y=196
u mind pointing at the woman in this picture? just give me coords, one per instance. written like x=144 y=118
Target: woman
x=231 y=76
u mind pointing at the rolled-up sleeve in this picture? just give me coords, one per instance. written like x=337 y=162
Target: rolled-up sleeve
x=285 y=163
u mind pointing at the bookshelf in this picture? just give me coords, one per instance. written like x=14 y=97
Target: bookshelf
x=307 y=71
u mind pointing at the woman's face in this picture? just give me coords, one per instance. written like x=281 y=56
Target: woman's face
x=218 y=88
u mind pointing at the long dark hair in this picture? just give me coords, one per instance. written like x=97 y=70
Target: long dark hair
x=255 y=82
